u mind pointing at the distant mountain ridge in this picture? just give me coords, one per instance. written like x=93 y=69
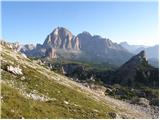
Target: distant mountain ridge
x=151 y=51
x=131 y=48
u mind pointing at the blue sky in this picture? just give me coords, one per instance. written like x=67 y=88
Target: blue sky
x=31 y=22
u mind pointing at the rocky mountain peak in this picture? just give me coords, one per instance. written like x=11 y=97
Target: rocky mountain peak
x=135 y=67
x=139 y=59
x=142 y=54
x=59 y=38
x=61 y=31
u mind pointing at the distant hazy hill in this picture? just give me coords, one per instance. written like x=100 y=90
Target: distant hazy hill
x=152 y=52
x=132 y=48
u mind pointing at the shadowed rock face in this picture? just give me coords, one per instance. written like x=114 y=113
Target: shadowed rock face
x=130 y=68
x=135 y=61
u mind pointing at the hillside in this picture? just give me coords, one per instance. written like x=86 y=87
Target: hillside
x=31 y=91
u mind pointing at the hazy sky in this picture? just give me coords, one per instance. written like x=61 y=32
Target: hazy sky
x=31 y=22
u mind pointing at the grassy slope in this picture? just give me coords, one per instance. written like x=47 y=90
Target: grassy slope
x=16 y=105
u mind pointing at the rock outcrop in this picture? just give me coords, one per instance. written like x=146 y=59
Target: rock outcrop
x=13 y=46
x=136 y=71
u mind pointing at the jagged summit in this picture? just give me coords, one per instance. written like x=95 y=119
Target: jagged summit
x=141 y=56
x=60 y=30
x=59 y=38
x=136 y=60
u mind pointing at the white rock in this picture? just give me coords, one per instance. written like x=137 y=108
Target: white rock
x=66 y=102
x=23 y=78
x=95 y=110
x=15 y=70
x=23 y=55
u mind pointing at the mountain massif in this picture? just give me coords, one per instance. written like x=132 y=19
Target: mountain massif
x=61 y=43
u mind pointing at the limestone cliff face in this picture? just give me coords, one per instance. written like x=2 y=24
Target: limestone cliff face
x=77 y=44
x=51 y=53
x=63 y=39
